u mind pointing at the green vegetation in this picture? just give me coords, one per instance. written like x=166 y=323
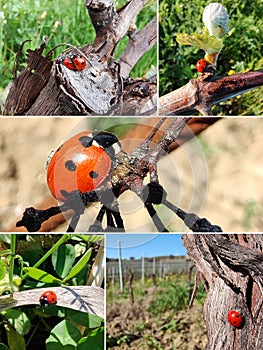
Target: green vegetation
x=159 y=316
x=170 y=294
x=242 y=51
x=61 y=21
x=30 y=262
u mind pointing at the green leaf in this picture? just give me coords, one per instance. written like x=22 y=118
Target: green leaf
x=64 y=336
x=5 y=238
x=84 y=318
x=41 y=275
x=79 y=266
x=3 y=347
x=202 y=41
x=18 y=320
x=94 y=341
x=15 y=340
x=2 y=269
x=62 y=259
x=91 y=238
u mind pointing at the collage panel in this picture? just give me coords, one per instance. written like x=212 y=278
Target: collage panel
x=187 y=292
x=112 y=175
x=52 y=291
x=210 y=58
x=78 y=58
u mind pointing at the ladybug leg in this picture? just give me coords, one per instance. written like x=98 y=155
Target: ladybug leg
x=114 y=221
x=118 y=219
x=33 y=218
x=156 y=220
x=73 y=223
x=153 y=193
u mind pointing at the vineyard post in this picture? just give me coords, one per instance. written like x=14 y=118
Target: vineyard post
x=120 y=266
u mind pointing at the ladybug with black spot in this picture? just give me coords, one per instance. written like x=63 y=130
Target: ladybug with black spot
x=235 y=318
x=82 y=163
x=47 y=298
x=79 y=62
x=201 y=65
x=75 y=62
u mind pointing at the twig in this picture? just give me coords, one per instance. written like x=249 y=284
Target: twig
x=79 y=298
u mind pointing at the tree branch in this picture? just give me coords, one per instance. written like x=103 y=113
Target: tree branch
x=139 y=43
x=202 y=93
x=79 y=298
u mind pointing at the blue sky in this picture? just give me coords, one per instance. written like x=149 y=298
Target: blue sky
x=149 y=245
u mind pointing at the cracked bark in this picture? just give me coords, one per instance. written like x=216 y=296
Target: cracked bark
x=232 y=265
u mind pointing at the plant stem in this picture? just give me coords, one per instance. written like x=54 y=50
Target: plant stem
x=12 y=260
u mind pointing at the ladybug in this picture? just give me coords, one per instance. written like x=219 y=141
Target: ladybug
x=73 y=62
x=79 y=62
x=201 y=65
x=48 y=298
x=67 y=62
x=82 y=163
x=235 y=319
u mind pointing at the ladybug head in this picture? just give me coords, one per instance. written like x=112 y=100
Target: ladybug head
x=108 y=141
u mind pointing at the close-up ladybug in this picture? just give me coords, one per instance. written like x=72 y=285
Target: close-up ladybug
x=82 y=163
x=235 y=318
x=75 y=62
x=48 y=298
x=201 y=65
x=79 y=62
x=67 y=62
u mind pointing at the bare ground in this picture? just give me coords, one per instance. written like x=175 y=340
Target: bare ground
x=133 y=327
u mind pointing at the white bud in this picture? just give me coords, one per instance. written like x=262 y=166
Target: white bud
x=216 y=19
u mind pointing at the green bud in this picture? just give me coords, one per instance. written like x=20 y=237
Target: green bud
x=216 y=19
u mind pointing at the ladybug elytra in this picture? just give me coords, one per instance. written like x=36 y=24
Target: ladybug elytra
x=82 y=163
x=201 y=65
x=235 y=319
x=79 y=62
x=75 y=62
x=48 y=298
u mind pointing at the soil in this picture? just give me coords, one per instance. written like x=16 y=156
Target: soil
x=217 y=176
x=133 y=327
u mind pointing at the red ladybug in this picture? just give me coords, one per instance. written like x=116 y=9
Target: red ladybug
x=201 y=65
x=48 y=298
x=74 y=62
x=79 y=62
x=67 y=62
x=82 y=163
x=235 y=319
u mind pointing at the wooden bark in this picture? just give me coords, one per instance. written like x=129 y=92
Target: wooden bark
x=202 y=93
x=232 y=265
x=79 y=298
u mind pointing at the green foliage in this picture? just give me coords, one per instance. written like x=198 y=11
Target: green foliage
x=242 y=50
x=65 y=258
x=175 y=297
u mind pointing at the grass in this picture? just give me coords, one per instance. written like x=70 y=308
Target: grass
x=61 y=21
x=175 y=294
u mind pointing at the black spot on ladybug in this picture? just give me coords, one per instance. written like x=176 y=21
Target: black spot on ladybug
x=86 y=141
x=70 y=165
x=93 y=174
